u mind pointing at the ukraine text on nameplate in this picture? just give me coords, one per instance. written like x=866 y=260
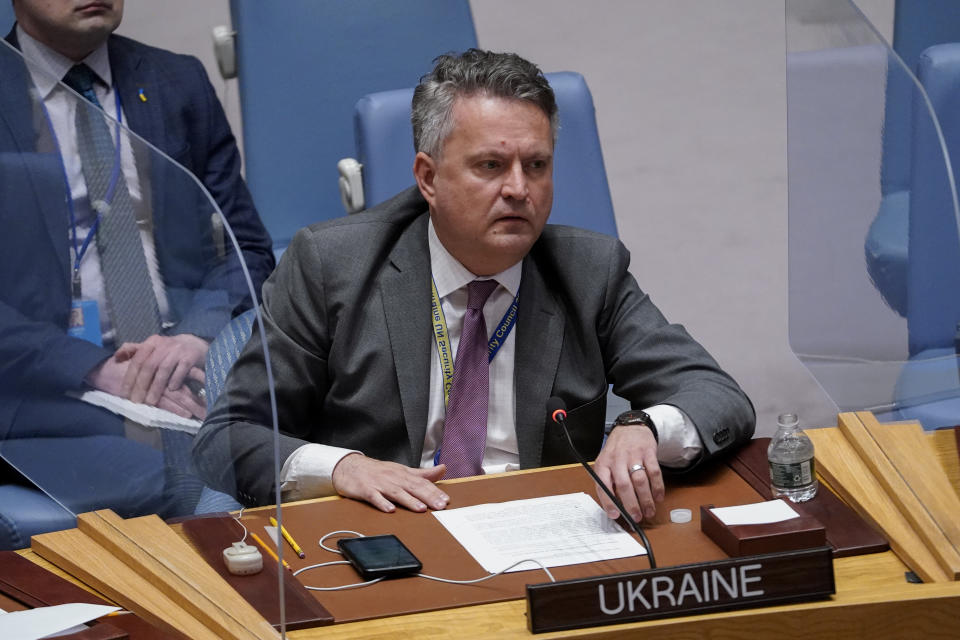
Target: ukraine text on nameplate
x=737 y=583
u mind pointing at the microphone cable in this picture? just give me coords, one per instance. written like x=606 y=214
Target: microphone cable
x=557 y=411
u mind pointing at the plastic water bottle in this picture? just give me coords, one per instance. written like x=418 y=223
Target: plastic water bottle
x=792 y=472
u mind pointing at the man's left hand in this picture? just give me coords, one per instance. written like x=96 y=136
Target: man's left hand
x=160 y=364
x=640 y=490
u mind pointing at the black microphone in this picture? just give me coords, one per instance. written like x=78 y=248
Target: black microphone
x=557 y=411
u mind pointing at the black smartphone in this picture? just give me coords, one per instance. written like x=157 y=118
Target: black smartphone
x=379 y=556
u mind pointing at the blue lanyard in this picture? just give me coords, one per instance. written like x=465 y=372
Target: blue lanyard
x=80 y=251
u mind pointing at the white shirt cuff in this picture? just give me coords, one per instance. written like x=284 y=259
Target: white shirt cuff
x=308 y=472
x=679 y=443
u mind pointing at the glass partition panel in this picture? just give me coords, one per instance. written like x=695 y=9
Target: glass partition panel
x=126 y=296
x=874 y=265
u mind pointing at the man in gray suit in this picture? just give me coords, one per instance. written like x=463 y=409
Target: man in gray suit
x=369 y=401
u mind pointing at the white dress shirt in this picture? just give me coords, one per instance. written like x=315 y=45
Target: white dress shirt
x=451 y=277
x=46 y=68
x=307 y=472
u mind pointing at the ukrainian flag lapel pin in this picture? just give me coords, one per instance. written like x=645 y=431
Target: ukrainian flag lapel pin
x=141 y=95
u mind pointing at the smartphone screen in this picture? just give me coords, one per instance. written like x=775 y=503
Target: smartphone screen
x=379 y=556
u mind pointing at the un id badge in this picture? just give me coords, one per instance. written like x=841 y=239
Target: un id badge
x=85 y=321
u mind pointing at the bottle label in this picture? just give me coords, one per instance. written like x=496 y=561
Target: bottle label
x=792 y=476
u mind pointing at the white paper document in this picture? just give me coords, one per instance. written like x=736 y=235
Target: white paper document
x=759 y=513
x=555 y=530
x=140 y=413
x=47 y=622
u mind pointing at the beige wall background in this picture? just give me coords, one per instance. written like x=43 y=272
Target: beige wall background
x=691 y=108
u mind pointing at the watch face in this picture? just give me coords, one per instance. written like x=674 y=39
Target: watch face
x=633 y=417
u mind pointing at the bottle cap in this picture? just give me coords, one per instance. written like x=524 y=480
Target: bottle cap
x=681 y=516
x=788 y=420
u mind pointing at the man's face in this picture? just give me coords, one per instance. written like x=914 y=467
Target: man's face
x=71 y=27
x=491 y=190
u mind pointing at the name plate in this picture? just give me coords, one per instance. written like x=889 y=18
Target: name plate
x=736 y=583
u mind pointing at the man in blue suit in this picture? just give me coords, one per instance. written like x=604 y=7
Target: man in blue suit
x=167 y=100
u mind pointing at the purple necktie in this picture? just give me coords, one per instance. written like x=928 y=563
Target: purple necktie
x=465 y=427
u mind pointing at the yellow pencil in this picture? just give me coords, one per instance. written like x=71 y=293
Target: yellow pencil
x=289 y=538
x=268 y=549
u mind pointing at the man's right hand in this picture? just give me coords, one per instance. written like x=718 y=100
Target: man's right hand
x=384 y=484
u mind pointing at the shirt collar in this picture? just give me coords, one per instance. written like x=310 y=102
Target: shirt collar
x=449 y=274
x=47 y=67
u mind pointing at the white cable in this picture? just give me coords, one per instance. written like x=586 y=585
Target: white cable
x=333 y=533
x=237 y=518
x=492 y=575
x=327 y=564
x=420 y=575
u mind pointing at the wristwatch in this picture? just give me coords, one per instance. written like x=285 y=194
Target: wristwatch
x=637 y=417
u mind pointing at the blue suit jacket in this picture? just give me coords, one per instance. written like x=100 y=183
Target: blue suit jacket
x=183 y=118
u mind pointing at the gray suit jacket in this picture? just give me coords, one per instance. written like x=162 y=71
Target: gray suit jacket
x=347 y=323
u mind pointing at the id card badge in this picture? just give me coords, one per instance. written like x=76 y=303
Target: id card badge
x=85 y=321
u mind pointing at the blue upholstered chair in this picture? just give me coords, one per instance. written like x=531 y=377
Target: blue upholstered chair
x=301 y=65
x=384 y=140
x=929 y=388
x=917 y=26
x=222 y=354
x=581 y=194
x=26 y=511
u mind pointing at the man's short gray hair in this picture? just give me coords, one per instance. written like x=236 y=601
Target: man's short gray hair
x=474 y=72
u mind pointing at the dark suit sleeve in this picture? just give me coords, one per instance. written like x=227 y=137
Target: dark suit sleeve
x=36 y=354
x=235 y=444
x=650 y=361
x=204 y=290
x=40 y=355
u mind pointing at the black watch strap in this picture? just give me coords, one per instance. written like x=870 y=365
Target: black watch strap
x=637 y=417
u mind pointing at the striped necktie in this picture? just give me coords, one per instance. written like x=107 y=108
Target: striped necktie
x=130 y=298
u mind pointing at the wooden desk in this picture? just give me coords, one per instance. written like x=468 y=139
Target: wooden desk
x=873 y=600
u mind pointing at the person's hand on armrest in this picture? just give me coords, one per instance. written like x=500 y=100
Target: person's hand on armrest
x=386 y=484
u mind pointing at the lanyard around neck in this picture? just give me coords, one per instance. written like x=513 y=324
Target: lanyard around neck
x=442 y=337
